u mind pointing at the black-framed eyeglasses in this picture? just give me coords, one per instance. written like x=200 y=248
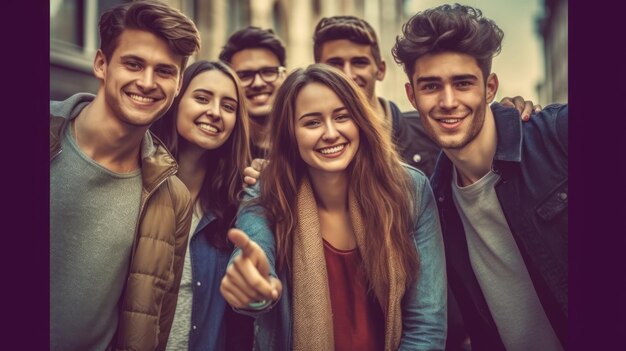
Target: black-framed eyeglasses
x=267 y=74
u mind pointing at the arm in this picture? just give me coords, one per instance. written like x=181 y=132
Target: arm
x=251 y=276
x=424 y=315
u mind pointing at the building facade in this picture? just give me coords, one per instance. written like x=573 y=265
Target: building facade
x=74 y=34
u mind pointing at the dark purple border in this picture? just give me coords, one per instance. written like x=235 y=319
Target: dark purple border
x=597 y=92
x=25 y=178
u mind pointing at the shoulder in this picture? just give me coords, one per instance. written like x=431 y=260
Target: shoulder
x=178 y=190
x=551 y=122
x=418 y=177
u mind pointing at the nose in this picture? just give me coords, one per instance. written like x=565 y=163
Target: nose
x=257 y=81
x=447 y=98
x=213 y=110
x=347 y=69
x=146 y=80
x=330 y=131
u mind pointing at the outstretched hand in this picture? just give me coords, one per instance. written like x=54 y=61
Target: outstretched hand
x=247 y=280
x=524 y=107
x=252 y=173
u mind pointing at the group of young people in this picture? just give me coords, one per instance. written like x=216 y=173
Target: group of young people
x=166 y=235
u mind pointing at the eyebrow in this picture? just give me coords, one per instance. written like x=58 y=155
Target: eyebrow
x=317 y=114
x=430 y=79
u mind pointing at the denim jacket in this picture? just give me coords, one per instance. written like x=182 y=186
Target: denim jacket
x=208 y=266
x=424 y=309
x=531 y=159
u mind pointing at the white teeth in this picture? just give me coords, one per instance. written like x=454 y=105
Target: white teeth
x=140 y=98
x=450 y=120
x=332 y=150
x=208 y=127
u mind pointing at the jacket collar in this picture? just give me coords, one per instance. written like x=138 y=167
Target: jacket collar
x=157 y=163
x=509 y=148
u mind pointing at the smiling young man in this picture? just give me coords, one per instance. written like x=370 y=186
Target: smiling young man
x=501 y=185
x=258 y=57
x=119 y=217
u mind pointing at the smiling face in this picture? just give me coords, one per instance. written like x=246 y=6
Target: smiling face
x=207 y=111
x=141 y=79
x=259 y=94
x=450 y=93
x=327 y=137
x=356 y=61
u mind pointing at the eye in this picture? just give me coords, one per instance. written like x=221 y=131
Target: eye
x=429 y=86
x=342 y=118
x=132 y=65
x=360 y=62
x=166 y=72
x=335 y=63
x=201 y=99
x=464 y=84
x=229 y=107
x=312 y=123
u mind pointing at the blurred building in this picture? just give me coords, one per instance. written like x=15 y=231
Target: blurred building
x=552 y=27
x=74 y=33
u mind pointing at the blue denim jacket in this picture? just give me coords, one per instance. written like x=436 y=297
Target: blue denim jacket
x=424 y=309
x=531 y=159
x=208 y=266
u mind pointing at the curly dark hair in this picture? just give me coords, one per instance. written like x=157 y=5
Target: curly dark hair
x=455 y=28
x=251 y=38
x=155 y=17
x=350 y=28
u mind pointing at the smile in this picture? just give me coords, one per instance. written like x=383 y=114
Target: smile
x=332 y=150
x=140 y=98
x=208 y=128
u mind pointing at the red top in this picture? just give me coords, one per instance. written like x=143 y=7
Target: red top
x=358 y=320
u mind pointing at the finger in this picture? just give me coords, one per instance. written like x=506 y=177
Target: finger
x=528 y=109
x=277 y=288
x=235 y=277
x=256 y=285
x=241 y=240
x=259 y=164
x=251 y=172
x=231 y=295
x=247 y=180
x=519 y=103
x=537 y=108
x=506 y=101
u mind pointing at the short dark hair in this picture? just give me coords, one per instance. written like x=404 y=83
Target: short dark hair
x=155 y=17
x=349 y=28
x=455 y=28
x=251 y=38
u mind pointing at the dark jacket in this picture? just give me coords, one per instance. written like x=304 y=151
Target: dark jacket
x=156 y=263
x=413 y=143
x=531 y=158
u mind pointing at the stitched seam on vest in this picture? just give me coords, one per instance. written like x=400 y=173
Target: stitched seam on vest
x=150 y=275
x=156 y=239
x=141 y=313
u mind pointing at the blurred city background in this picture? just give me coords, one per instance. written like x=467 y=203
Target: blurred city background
x=533 y=61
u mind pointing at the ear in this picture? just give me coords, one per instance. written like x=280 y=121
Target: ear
x=491 y=87
x=409 y=94
x=100 y=65
x=382 y=68
x=180 y=84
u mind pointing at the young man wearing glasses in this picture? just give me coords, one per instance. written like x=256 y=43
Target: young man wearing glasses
x=258 y=57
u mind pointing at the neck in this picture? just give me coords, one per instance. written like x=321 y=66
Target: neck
x=331 y=190
x=378 y=107
x=192 y=169
x=104 y=138
x=474 y=160
x=258 y=132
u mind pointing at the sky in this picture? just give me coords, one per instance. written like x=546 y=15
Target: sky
x=519 y=65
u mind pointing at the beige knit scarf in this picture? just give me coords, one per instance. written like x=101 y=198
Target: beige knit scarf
x=311 y=307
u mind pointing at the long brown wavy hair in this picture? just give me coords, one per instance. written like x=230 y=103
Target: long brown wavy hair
x=382 y=187
x=222 y=185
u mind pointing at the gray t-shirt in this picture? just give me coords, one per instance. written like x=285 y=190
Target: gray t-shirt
x=93 y=218
x=500 y=270
x=179 y=334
